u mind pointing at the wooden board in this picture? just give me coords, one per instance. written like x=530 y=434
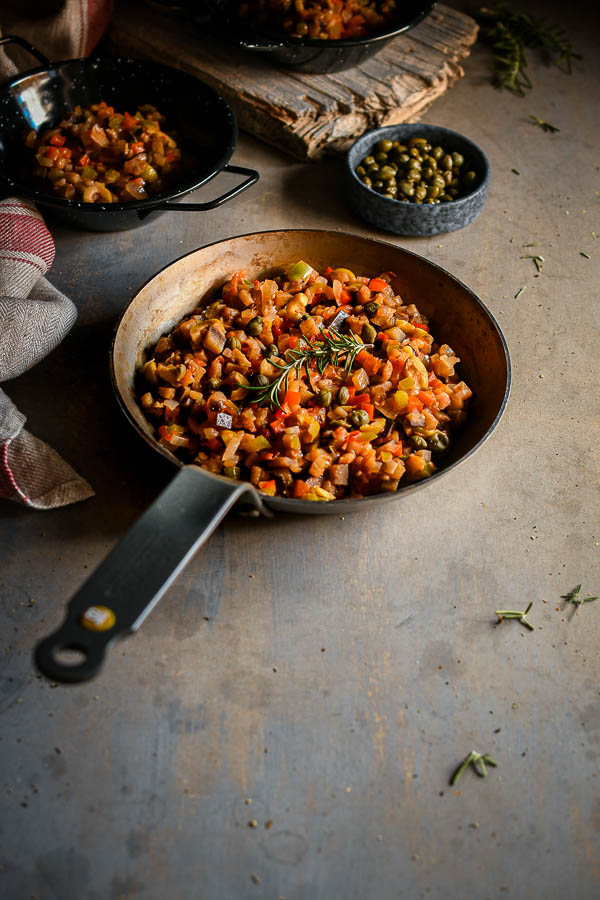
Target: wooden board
x=308 y=115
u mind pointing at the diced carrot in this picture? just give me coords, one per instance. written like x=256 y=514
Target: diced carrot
x=421 y=325
x=292 y=399
x=129 y=122
x=267 y=487
x=57 y=140
x=345 y=296
x=138 y=147
x=294 y=340
x=434 y=381
x=277 y=426
x=370 y=409
x=83 y=160
x=377 y=284
x=427 y=397
x=52 y=153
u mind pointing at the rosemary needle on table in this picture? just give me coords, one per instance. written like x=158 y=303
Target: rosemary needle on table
x=515 y=614
x=478 y=761
x=574 y=597
x=545 y=126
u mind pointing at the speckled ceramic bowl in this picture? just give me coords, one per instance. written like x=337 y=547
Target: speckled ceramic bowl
x=419 y=219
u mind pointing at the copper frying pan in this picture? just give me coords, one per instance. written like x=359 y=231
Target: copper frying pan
x=119 y=595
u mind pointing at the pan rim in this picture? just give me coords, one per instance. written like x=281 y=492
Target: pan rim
x=349 y=504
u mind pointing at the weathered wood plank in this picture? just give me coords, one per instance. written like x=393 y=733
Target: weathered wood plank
x=309 y=115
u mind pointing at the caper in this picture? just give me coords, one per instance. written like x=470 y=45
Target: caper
x=413 y=175
x=431 y=161
x=368 y=333
x=439 y=442
x=234 y=342
x=255 y=326
x=420 y=192
x=403 y=158
x=360 y=170
x=367 y=181
x=385 y=146
x=392 y=190
x=407 y=188
x=455 y=183
x=452 y=191
x=359 y=417
x=445 y=198
x=325 y=398
x=417 y=142
x=343 y=395
x=368 y=161
x=379 y=187
x=371 y=309
x=427 y=172
x=458 y=159
x=433 y=191
x=402 y=148
x=439 y=181
x=418 y=442
x=414 y=152
x=270 y=350
x=470 y=178
x=447 y=161
x=437 y=152
x=381 y=158
x=373 y=170
x=214 y=383
x=386 y=172
x=447 y=176
x=259 y=380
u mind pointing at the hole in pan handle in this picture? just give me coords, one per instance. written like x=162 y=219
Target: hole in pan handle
x=129 y=583
x=252 y=178
x=15 y=39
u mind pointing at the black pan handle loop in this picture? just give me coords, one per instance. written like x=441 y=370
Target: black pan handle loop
x=129 y=583
x=252 y=178
x=15 y=39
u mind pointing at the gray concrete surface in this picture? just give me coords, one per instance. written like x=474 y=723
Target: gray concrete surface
x=333 y=673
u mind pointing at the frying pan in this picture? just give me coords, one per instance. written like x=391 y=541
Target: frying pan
x=315 y=56
x=205 y=125
x=119 y=595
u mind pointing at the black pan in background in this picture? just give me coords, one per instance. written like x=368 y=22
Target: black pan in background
x=317 y=57
x=205 y=128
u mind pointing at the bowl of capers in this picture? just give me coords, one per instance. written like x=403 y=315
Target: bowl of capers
x=414 y=179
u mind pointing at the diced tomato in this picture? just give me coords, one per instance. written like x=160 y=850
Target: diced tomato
x=327 y=271
x=345 y=296
x=434 y=381
x=277 y=426
x=65 y=151
x=104 y=110
x=427 y=397
x=188 y=377
x=170 y=155
x=377 y=284
x=57 y=140
x=292 y=399
x=52 y=153
x=294 y=341
x=300 y=488
x=414 y=404
x=421 y=325
x=138 y=147
x=267 y=487
x=370 y=409
x=129 y=122
x=83 y=160
x=164 y=432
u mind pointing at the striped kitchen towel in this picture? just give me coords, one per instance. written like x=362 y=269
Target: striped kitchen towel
x=34 y=319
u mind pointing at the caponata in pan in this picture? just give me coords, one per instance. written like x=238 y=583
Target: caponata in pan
x=98 y=156
x=334 y=402
x=320 y=19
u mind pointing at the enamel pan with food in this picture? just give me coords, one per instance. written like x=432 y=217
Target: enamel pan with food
x=205 y=126
x=120 y=594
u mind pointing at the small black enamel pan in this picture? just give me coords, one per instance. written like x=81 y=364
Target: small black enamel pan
x=205 y=126
x=119 y=595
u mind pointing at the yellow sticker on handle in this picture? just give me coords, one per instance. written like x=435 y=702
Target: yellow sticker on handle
x=98 y=618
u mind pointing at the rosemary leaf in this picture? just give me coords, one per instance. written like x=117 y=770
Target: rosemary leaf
x=584 y=254
x=519 y=292
x=545 y=126
x=477 y=761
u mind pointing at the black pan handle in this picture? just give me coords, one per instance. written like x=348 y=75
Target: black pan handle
x=252 y=178
x=15 y=39
x=129 y=583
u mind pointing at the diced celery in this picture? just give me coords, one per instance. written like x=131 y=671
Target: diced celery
x=400 y=399
x=406 y=383
x=299 y=271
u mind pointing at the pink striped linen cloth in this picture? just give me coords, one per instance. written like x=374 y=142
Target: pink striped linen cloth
x=34 y=315
x=34 y=319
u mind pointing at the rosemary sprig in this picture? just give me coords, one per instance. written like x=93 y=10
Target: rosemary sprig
x=545 y=126
x=333 y=347
x=538 y=260
x=478 y=761
x=574 y=597
x=514 y=614
x=510 y=34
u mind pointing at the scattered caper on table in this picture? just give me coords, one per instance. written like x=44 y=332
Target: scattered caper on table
x=416 y=172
